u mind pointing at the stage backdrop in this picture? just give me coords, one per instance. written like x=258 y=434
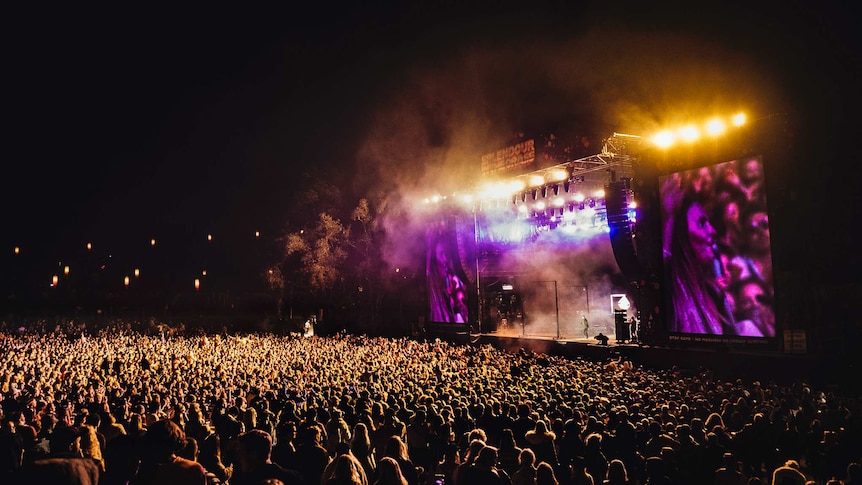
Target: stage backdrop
x=536 y=266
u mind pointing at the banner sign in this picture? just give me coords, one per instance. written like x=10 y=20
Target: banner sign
x=513 y=159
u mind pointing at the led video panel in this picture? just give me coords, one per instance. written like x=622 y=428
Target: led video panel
x=717 y=251
x=449 y=294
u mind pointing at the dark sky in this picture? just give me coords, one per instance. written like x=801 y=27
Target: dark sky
x=125 y=123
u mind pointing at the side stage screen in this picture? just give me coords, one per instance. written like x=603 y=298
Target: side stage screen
x=447 y=264
x=717 y=252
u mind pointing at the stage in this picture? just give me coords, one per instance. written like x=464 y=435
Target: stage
x=724 y=362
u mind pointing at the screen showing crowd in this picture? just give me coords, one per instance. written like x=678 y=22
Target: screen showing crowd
x=717 y=250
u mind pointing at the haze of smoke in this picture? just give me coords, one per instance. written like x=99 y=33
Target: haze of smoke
x=432 y=131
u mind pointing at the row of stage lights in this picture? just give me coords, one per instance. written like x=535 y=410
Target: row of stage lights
x=55 y=279
x=545 y=204
x=552 y=179
x=691 y=133
x=546 y=199
x=499 y=194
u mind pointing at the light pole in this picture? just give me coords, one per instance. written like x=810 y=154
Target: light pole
x=479 y=306
x=557 y=307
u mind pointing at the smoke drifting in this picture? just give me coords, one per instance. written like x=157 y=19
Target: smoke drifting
x=576 y=277
x=439 y=119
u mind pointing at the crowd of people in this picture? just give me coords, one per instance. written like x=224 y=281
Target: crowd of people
x=121 y=406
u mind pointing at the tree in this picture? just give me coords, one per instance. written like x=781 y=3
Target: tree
x=370 y=269
x=338 y=265
x=321 y=252
x=385 y=262
x=311 y=247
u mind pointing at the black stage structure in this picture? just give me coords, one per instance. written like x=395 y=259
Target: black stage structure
x=621 y=309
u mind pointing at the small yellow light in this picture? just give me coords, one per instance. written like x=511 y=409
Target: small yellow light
x=137 y=272
x=153 y=242
x=204 y=273
x=256 y=233
x=54 y=280
x=197 y=284
x=89 y=246
x=663 y=139
x=739 y=119
x=66 y=270
x=558 y=175
x=715 y=127
x=17 y=250
x=126 y=281
x=689 y=133
x=209 y=237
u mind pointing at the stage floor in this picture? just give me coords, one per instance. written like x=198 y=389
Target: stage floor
x=723 y=361
x=590 y=339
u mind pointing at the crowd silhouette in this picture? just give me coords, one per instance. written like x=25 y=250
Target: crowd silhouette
x=129 y=404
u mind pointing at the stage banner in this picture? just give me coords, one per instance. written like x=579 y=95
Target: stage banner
x=512 y=160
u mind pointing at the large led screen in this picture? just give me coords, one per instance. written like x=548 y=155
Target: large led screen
x=449 y=295
x=716 y=249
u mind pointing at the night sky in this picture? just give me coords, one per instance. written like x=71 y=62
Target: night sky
x=123 y=124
